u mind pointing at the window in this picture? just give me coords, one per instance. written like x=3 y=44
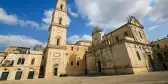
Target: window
x=4 y=75
x=166 y=54
x=125 y=34
x=138 y=55
x=61 y=6
x=21 y=61
x=158 y=46
x=140 y=34
x=18 y=75
x=58 y=41
x=71 y=48
x=60 y=21
x=160 y=56
x=78 y=63
x=71 y=63
x=32 y=61
x=117 y=39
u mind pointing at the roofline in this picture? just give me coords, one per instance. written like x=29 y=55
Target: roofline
x=160 y=40
x=122 y=27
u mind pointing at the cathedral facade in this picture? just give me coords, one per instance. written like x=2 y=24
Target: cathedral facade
x=125 y=50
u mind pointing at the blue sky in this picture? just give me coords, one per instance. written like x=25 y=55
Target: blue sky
x=25 y=22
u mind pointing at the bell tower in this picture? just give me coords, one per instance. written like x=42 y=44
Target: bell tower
x=55 y=53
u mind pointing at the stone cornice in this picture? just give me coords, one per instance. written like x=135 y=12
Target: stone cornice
x=65 y=11
x=56 y=24
x=56 y=46
x=104 y=45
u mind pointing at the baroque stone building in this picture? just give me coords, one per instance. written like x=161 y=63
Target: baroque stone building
x=19 y=66
x=160 y=49
x=125 y=50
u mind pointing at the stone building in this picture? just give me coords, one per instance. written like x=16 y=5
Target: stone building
x=125 y=50
x=18 y=66
x=61 y=58
x=16 y=50
x=160 y=49
x=76 y=58
x=2 y=56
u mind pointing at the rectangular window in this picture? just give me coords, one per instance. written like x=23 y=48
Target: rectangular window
x=71 y=48
x=71 y=63
x=117 y=39
x=138 y=55
x=32 y=61
x=125 y=34
x=140 y=34
x=77 y=63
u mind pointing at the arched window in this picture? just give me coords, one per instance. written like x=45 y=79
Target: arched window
x=21 y=61
x=158 y=46
x=166 y=54
x=4 y=75
x=138 y=55
x=71 y=63
x=32 y=61
x=78 y=63
x=58 y=41
x=31 y=74
x=117 y=39
x=18 y=74
x=60 y=21
x=160 y=56
x=125 y=34
x=61 y=6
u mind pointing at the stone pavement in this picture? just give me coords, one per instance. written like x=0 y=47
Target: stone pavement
x=147 y=78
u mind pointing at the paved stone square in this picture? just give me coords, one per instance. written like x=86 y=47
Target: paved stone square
x=146 y=78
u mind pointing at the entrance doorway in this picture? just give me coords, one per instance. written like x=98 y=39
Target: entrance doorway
x=55 y=71
x=99 y=66
x=165 y=67
x=4 y=76
x=31 y=75
x=18 y=75
x=151 y=61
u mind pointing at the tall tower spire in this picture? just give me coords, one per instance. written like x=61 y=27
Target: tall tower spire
x=55 y=54
x=59 y=24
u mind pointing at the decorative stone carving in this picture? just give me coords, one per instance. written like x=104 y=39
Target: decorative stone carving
x=56 y=54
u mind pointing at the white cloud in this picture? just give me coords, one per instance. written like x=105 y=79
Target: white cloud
x=72 y=13
x=75 y=38
x=6 y=18
x=28 y=23
x=48 y=18
x=68 y=20
x=18 y=40
x=13 y=19
x=108 y=13
x=153 y=27
x=159 y=13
